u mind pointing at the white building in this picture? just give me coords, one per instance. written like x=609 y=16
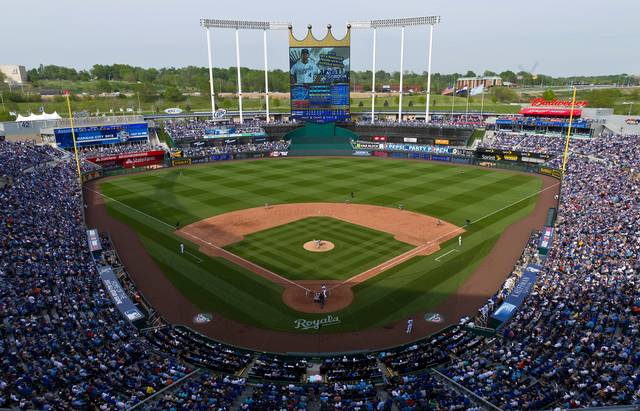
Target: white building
x=14 y=74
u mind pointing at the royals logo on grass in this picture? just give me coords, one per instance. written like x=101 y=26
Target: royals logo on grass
x=433 y=318
x=302 y=324
x=202 y=318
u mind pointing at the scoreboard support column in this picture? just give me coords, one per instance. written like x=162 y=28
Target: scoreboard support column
x=373 y=80
x=239 y=76
x=401 y=73
x=426 y=113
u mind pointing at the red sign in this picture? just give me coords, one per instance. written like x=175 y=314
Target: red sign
x=550 y=112
x=379 y=138
x=128 y=160
x=537 y=102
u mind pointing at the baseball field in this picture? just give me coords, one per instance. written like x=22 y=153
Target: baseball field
x=240 y=269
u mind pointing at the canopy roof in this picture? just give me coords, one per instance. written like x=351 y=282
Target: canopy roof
x=37 y=117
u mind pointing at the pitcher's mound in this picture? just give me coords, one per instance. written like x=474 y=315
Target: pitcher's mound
x=318 y=246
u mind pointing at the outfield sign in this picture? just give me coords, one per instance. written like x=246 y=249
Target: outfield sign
x=302 y=324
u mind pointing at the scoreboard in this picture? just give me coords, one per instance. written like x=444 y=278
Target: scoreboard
x=319 y=83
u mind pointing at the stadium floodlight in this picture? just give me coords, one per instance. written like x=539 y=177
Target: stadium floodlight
x=402 y=23
x=241 y=25
x=399 y=22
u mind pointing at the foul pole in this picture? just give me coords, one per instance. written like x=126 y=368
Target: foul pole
x=566 y=145
x=73 y=136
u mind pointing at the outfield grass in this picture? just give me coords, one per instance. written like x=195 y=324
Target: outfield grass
x=356 y=249
x=448 y=192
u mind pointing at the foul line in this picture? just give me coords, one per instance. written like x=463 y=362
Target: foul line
x=445 y=254
x=194 y=256
x=409 y=254
x=221 y=250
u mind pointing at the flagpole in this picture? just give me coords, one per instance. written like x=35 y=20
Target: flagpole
x=73 y=135
x=566 y=145
x=467 y=113
x=453 y=100
x=482 y=103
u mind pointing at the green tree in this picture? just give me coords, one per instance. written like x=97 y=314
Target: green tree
x=509 y=76
x=147 y=92
x=103 y=86
x=549 y=95
x=173 y=94
x=503 y=95
x=5 y=116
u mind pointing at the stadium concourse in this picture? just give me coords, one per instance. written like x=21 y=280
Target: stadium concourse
x=574 y=342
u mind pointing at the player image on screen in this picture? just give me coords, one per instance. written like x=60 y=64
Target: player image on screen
x=304 y=70
x=319 y=83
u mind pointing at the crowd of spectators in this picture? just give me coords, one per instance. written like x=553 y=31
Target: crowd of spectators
x=205 y=391
x=278 y=368
x=265 y=147
x=195 y=129
x=458 y=121
x=196 y=349
x=62 y=342
x=575 y=341
x=351 y=368
x=114 y=149
x=425 y=392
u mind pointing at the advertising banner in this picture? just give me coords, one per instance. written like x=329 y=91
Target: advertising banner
x=442 y=141
x=130 y=160
x=361 y=153
x=319 y=78
x=517 y=296
x=181 y=162
x=509 y=155
x=99 y=135
x=548 y=171
x=369 y=146
x=118 y=295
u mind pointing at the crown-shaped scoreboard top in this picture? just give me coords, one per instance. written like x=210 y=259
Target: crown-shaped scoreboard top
x=328 y=41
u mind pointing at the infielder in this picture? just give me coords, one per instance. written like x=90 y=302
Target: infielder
x=459 y=240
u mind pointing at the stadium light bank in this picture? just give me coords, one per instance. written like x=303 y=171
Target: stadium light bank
x=402 y=23
x=241 y=25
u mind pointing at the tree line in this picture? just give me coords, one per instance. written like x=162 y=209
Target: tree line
x=192 y=78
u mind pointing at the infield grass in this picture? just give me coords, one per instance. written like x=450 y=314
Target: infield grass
x=357 y=248
x=155 y=201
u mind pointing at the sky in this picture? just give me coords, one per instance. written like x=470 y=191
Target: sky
x=560 y=38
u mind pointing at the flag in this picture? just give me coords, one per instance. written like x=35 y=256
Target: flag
x=448 y=90
x=463 y=90
x=477 y=90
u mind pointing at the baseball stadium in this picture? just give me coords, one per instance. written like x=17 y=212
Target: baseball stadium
x=322 y=256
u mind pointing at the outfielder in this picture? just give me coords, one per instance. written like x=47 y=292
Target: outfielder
x=409 y=326
x=181 y=248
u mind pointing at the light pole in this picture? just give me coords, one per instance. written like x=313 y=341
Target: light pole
x=241 y=25
x=402 y=23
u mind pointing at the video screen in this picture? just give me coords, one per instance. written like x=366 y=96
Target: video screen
x=319 y=79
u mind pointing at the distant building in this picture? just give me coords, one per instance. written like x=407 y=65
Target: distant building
x=14 y=74
x=471 y=82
